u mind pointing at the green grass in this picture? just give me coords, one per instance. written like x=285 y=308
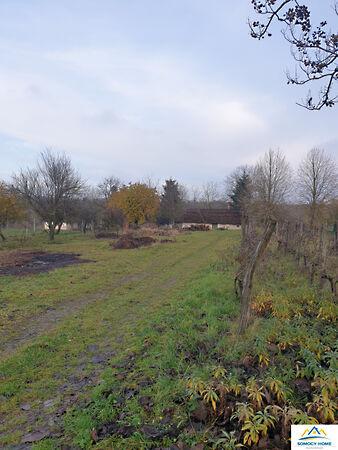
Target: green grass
x=29 y=296
x=172 y=325
x=133 y=286
x=193 y=337
x=176 y=343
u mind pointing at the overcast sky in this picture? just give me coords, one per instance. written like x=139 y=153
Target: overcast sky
x=140 y=88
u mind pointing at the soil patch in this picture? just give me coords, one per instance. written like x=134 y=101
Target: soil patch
x=27 y=263
x=129 y=242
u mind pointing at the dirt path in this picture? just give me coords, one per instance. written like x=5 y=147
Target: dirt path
x=50 y=319
x=79 y=382
x=128 y=303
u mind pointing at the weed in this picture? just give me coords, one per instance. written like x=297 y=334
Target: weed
x=228 y=441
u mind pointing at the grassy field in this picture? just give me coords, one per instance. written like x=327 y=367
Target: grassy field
x=59 y=329
x=139 y=350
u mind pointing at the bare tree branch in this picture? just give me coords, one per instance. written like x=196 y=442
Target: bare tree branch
x=313 y=47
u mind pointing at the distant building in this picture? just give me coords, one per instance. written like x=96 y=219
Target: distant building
x=223 y=219
x=64 y=227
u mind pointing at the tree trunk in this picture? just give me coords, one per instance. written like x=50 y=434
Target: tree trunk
x=51 y=233
x=58 y=228
x=286 y=240
x=321 y=255
x=305 y=261
x=244 y=226
x=2 y=236
x=279 y=234
x=249 y=273
x=125 y=227
x=238 y=285
x=299 y=241
x=238 y=281
x=313 y=208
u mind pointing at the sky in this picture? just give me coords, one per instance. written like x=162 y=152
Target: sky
x=149 y=88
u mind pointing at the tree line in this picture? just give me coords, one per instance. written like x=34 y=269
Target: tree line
x=269 y=196
x=56 y=193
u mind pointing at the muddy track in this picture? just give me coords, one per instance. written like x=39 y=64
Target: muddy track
x=53 y=316
x=50 y=319
x=44 y=418
x=79 y=382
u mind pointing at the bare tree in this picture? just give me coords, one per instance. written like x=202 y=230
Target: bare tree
x=252 y=264
x=210 y=193
x=314 y=48
x=86 y=210
x=272 y=181
x=184 y=192
x=317 y=180
x=151 y=182
x=108 y=186
x=269 y=186
x=49 y=187
x=195 y=194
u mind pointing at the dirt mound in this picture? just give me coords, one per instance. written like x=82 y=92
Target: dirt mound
x=129 y=242
x=27 y=263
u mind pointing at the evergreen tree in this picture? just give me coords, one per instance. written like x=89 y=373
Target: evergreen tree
x=240 y=188
x=171 y=202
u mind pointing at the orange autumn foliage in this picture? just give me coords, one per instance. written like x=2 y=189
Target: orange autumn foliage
x=10 y=208
x=138 y=202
